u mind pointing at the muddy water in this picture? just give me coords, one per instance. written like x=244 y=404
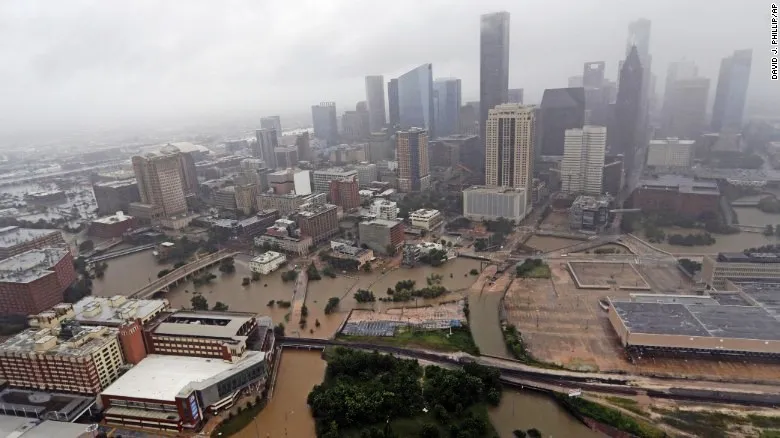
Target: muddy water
x=525 y=410
x=754 y=216
x=723 y=242
x=287 y=414
x=127 y=274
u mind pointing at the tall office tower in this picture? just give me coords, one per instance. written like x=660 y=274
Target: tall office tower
x=582 y=168
x=272 y=122
x=446 y=106
x=324 y=120
x=575 y=81
x=639 y=37
x=355 y=125
x=375 y=95
x=413 y=169
x=493 y=64
x=629 y=137
x=303 y=146
x=415 y=99
x=189 y=173
x=731 y=92
x=593 y=74
x=509 y=146
x=515 y=95
x=267 y=142
x=561 y=109
x=160 y=182
x=469 y=119
x=685 y=105
x=392 y=103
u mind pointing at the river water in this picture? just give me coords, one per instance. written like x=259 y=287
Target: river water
x=300 y=371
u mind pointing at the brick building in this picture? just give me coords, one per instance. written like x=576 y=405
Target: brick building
x=678 y=195
x=320 y=222
x=345 y=194
x=15 y=240
x=379 y=234
x=35 y=280
x=112 y=226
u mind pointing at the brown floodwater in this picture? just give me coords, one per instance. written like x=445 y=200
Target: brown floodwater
x=527 y=409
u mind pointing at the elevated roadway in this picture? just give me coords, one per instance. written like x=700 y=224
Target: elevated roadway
x=181 y=274
x=119 y=253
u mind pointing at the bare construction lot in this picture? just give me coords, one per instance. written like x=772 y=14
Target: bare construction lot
x=607 y=275
x=565 y=325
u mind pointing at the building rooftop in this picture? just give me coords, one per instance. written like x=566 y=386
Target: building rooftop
x=31 y=265
x=591 y=202
x=755 y=257
x=425 y=213
x=310 y=209
x=113 y=311
x=381 y=223
x=487 y=189
x=71 y=340
x=682 y=184
x=204 y=324
x=118 y=184
x=113 y=219
x=267 y=257
x=672 y=141
x=12 y=236
x=163 y=377
x=336 y=171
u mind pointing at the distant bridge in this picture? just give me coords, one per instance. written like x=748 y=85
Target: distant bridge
x=181 y=274
x=119 y=253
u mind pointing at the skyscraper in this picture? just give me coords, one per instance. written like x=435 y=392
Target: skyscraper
x=415 y=99
x=356 y=124
x=160 y=182
x=509 y=146
x=685 y=106
x=561 y=109
x=628 y=137
x=515 y=95
x=493 y=64
x=392 y=102
x=303 y=146
x=593 y=74
x=575 y=81
x=324 y=120
x=639 y=37
x=447 y=104
x=582 y=168
x=266 y=145
x=375 y=95
x=413 y=168
x=730 y=95
x=272 y=122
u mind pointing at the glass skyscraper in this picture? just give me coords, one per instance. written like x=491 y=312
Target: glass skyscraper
x=731 y=92
x=447 y=104
x=493 y=64
x=415 y=99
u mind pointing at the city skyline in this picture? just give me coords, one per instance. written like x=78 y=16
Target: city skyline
x=164 y=93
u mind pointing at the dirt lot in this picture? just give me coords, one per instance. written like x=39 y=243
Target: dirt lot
x=565 y=325
x=609 y=274
x=556 y=221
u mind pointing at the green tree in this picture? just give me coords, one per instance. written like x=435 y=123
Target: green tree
x=163 y=272
x=255 y=276
x=245 y=281
x=304 y=311
x=367 y=267
x=220 y=307
x=199 y=302
x=769 y=230
x=333 y=304
x=364 y=296
x=534 y=433
x=429 y=431
x=518 y=433
x=227 y=265
x=312 y=272
x=87 y=245
x=279 y=330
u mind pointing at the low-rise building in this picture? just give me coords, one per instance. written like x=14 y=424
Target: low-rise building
x=740 y=267
x=290 y=181
x=367 y=173
x=679 y=195
x=670 y=153
x=225 y=198
x=286 y=156
x=113 y=196
x=348 y=252
x=35 y=280
x=381 y=235
x=267 y=262
x=294 y=245
x=109 y=227
x=491 y=203
x=323 y=177
x=69 y=358
x=345 y=194
x=16 y=240
x=384 y=209
x=426 y=218
x=286 y=204
x=590 y=213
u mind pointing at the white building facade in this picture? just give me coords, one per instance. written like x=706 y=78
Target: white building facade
x=582 y=168
x=491 y=203
x=670 y=152
x=268 y=262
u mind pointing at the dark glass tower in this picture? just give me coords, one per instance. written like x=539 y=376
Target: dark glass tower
x=493 y=64
x=561 y=109
x=628 y=115
x=392 y=100
x=730 y=95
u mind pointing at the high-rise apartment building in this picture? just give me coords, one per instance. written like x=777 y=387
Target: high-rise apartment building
x=375 y=96
x=515 y=95
x=393 y=105
x=272 y=122
x=509 y=148
x=593 y=74
x=582 y=168
x=160 y=182
x=324 y=120
x=413 y=167
x=733 y=79
x=629 y=123
x=267 y=140
x=493 y=64
x=561 y=109
x=685 y=106
x=446 y=103
x=415 y=98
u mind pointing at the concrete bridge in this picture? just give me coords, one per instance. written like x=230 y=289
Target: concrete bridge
x=181 y=274
x=119 y=253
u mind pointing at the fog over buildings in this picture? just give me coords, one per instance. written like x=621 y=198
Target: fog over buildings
x=84 y=65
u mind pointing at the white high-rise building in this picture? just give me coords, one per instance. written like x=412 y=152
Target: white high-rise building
x=384 y=209
x=582 y=168
x=509 y=146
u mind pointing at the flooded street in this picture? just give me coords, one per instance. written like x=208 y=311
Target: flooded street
x=527 y=409
x=754 y=216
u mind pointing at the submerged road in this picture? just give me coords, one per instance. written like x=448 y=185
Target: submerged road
x=516 y=374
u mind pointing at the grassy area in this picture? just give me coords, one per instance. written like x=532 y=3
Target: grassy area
x=716 y=424
x=627 y=404
x=439 y=340
x=238 y=422
x=612 y=417
x=770 y=434
x=539 y=272
x=412 y=427
x=515 y=344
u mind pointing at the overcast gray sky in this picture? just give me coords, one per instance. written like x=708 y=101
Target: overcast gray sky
x=87 y=63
